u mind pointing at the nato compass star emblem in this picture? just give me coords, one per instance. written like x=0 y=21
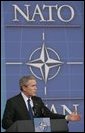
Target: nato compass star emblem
x=44 y=62
x=43 y=126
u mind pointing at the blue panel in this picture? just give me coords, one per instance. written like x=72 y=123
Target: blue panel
x=20 y=44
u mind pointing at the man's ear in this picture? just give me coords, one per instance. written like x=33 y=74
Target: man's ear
x=24 y=88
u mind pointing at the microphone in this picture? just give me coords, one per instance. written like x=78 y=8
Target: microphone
x=36 y=110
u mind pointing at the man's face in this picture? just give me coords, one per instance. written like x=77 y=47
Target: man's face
x=31 y=88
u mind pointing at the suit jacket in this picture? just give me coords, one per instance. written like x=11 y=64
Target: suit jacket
x=16 y=110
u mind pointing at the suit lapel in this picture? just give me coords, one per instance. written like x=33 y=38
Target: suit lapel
x=22 y=106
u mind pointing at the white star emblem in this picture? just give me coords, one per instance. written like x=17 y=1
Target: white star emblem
x=43 y=126
x=45 y=63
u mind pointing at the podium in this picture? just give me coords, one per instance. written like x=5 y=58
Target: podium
x=56 y=125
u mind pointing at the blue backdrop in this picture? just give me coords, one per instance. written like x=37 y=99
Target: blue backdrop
x=62 y=89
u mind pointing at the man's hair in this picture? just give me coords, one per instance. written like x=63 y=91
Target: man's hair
x=23 y=81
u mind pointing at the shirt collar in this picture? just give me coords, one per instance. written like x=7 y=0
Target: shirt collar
x=26 y=98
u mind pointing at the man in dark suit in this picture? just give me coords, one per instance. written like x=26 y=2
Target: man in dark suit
x=17 y=107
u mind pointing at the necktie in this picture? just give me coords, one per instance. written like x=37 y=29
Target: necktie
x=30 y=109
